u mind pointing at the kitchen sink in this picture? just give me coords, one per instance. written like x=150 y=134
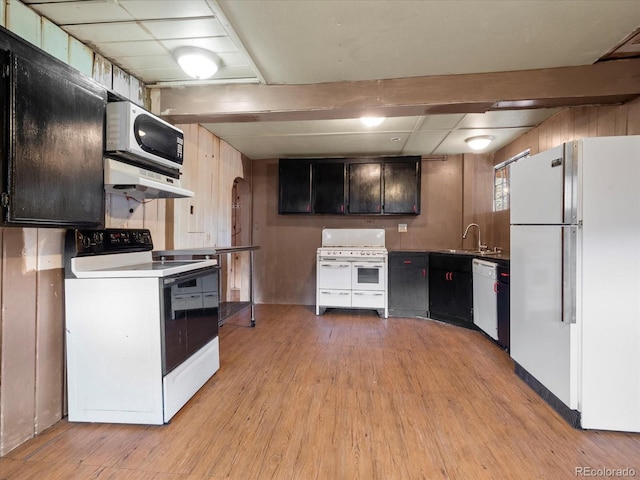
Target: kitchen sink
x=469 y=252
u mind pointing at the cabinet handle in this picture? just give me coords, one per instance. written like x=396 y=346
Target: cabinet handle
x=407 y=262
x=424 y=272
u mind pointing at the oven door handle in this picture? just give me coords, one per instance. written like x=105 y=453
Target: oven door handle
x=367 y=265
x=335 y=265
x=186 y=276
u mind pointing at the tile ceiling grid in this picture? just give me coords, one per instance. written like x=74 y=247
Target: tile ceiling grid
x=140 y=40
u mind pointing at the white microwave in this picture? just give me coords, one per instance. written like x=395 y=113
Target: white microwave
x=134 y=134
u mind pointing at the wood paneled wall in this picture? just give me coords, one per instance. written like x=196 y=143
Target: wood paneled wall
x=285 y=264
x=567 y=125
x=32 y=275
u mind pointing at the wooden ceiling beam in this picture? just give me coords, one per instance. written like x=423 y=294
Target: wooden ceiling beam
x=609 y=82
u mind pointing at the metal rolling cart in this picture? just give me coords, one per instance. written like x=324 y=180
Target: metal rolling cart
x=226 y=308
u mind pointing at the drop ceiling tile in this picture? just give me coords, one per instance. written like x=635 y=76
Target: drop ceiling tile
x=440 y=122
x=214 y=44
x=507 y=118
x=188 y=28
x=108 y=32
x=392 y=127
x=128 y=49
x=148 y=62
x=455 y=143
x=79 y=12
x=315 y=146
x=167 y=8
x=65 y=12
x=424 y=143
x=233 y=59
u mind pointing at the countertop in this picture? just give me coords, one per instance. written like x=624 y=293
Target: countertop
x=197 y=253
x=502 y=256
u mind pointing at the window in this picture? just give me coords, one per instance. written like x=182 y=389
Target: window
x=501 y=183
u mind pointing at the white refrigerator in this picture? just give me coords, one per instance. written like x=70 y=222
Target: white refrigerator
x=575 y=279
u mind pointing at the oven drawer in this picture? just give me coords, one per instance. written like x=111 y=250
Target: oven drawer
x=368 y=299
x=334 y=275
x=334 y=298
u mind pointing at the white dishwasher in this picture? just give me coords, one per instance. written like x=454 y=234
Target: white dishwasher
x=485 y=297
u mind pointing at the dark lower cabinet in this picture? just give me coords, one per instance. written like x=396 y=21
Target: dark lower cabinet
x=451 y=288
x=504 y=329
x=409 y=284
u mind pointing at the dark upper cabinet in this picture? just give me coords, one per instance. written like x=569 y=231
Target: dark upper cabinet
x=329 y=187
x=401 y=182
x=52 y=143
x=357 y=186
x=294 y=189
x=365 y=187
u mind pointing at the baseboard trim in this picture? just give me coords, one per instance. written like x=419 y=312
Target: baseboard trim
x=572 y=417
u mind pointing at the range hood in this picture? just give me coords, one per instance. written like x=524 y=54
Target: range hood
x=136 y=182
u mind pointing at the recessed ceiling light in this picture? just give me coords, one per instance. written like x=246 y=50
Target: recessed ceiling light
x=372 y=121
x=480 y=142
x=196 y=62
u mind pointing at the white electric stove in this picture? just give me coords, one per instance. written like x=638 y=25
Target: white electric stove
x=142 y=335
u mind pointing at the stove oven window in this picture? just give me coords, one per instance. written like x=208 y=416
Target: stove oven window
x=190 y=316
x=368 y=275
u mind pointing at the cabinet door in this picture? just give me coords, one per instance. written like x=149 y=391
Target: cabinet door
x=328 y=187
x=55 y=145
x=451 y=288
x=365 y=187
x=408 y=285
x=451 y=296
x=402 y=187
x=294 y=186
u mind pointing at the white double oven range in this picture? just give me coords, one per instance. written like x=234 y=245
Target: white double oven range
x=352 y=270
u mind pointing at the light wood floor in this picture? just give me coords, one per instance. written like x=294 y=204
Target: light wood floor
x=343 y=396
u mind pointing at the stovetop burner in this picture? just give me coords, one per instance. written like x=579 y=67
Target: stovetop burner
x=120 y=253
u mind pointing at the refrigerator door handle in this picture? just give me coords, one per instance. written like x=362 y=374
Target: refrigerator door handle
x=569 y=261
x=570 y=214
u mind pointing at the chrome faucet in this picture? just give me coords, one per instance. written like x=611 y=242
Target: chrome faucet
x=464 y=235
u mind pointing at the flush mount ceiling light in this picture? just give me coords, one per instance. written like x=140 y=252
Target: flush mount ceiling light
x=479 y=143
x=372 y=121
x=196 y=62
